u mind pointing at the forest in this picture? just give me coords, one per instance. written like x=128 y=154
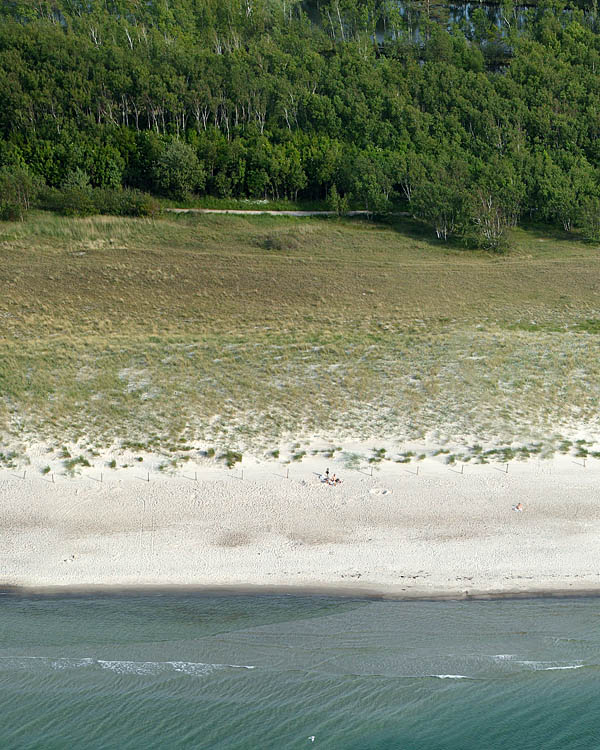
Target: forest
x=471 y=118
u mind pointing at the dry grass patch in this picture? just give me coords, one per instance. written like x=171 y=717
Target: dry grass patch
x=242 y=330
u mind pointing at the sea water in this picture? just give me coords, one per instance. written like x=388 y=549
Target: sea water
x=237 y=671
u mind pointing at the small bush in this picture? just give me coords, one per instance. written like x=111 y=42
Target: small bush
x=69 y=201
x=83 y=200
x=231 y=458
x=45 y=470
x=71 y=464
x=133 y=445
x=275 y=453
x=378 y=455
x=10 y=211
x=506 y=454
x=281 y=241
x=108 y=201
x=112 y=464
x=125 y=202
x=8 y=459
x=298 y=456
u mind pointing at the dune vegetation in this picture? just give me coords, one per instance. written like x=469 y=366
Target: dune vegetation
x=241 y=332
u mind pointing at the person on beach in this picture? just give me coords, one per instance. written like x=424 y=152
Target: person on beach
x=330 y=480
x=518 y=507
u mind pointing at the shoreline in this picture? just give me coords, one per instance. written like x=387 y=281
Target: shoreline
x=330 y=592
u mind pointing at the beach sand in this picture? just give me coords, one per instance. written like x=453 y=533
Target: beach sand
x=438 y=533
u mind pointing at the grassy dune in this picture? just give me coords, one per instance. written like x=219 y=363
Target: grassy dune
x=242 y=332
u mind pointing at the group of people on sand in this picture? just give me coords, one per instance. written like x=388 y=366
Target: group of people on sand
x=331 y=480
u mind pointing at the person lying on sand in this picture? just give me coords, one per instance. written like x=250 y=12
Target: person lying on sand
x=518 y=507
x=330 y=480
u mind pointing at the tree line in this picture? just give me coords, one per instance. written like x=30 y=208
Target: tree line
x=469 y=125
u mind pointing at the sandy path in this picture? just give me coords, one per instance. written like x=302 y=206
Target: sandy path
x=255 y=212
x=445 y=533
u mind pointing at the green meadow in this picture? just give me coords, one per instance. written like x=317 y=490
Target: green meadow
x=244 y=332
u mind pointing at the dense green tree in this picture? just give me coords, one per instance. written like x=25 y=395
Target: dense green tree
x=565 y=185
x=177 y=172
x=18 y=189
x=469 y=118
x=590 y=219
x=442 y=199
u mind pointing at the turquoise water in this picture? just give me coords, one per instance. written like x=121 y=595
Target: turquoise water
x=193 y=671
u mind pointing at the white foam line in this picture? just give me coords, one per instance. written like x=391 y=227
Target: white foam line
x=144 y=667
x=450 y=676
x=124 y=666
x=538 y=666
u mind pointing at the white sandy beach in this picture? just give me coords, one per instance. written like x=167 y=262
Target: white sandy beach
x=438 y=533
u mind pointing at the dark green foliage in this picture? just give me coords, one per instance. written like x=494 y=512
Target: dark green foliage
x=467 y=121
x=231 y=458
x=18 y=188
x=72 y=464
x=85 y=201
x=590 y=219
x=176 y=171
x=69 y=201
x=125 y=202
